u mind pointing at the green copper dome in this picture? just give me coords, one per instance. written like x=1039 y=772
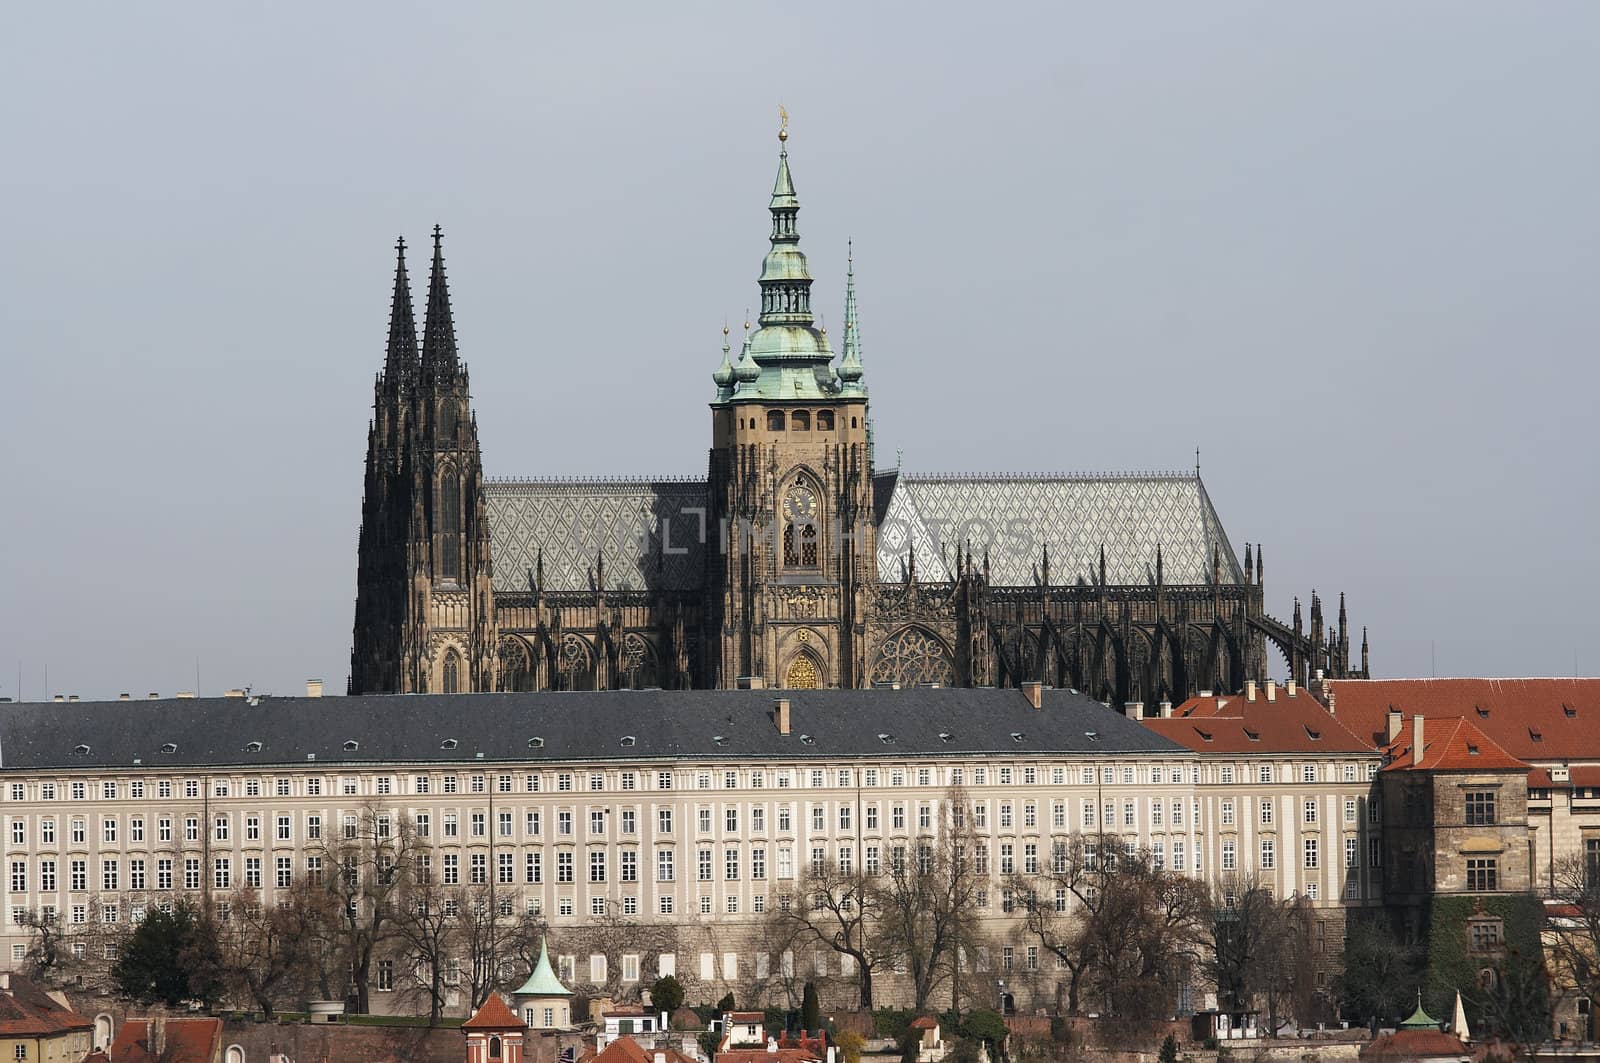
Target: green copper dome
x=1420 y=1020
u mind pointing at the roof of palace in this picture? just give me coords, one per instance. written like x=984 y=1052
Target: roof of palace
x=1448 y=745
x=1236 y=723
x=652 y=533
x=560 y=728
x=1533 y=719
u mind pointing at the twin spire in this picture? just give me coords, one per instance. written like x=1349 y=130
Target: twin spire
x=403 y=366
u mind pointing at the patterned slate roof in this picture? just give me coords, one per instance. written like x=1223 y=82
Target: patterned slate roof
x=649 y=532
x=1014 y=517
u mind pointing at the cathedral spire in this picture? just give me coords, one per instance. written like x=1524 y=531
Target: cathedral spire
x=785 y=279
x=850 y=368
x=439 y=333
x=400 y=363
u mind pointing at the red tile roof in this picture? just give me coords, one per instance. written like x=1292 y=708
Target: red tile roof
x=747 y=1016
x=186 y=1040
x=923 y=1022
x=26 y=1010
x=1449 y=745
x=1414 y=1044
x=1532 y=719
x=1584 y=775
x=627 y=1050
x=494 y=1015
x=1235 y=724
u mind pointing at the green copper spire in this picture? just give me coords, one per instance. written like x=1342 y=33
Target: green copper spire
x=791 y=357
x=543 y=981
x=850 y=369
x=1419 y=1020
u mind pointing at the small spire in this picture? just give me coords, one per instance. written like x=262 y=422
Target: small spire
x=850 y=369
x=538 y=570
x=1102 y=564
x=723 y=377
x=400 y=362
x=911 y=570
x=1260 y=553
x=1046 y=565
x=439 y=334
x=1158 y=565
x=1248 y=564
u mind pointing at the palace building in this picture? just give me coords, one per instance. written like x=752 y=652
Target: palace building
x=796 y=561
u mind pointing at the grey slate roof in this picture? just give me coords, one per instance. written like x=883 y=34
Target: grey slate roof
x=575 y=727
x=649 y=531
x=1014 y=517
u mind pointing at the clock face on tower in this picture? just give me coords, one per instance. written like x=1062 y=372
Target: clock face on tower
x=800 y=504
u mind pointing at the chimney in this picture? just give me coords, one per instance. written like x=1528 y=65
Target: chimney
x=154 y=696
x=72 y=697
x=61 y=697
x=1289 y=687
x=780 y=715
x=1249 y=690
x=1272 y=691
x=236 y=692
x=1034 y=692
x=661 y=1057
x=313 y=688
x=751 y=682
x=123 y=697
x=1166 y=710
x=1318 y=675
x=1416 y=739
x=1133 y=710
x=186 y=694
x=1393 y=719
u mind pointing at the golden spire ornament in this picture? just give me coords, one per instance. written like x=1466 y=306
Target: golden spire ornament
x=783 y=123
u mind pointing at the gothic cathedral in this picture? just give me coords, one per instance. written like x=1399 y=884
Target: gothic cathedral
x=795 y=562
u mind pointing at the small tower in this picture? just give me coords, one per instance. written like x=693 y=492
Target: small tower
x=542 y=1001
x=494 y=1035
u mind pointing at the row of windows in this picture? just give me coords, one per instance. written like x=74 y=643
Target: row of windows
x=599 y=781
x=799 y=420
x=1227 y=774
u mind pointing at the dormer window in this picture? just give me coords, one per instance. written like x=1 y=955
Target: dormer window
x=1483 y=713
x=536 y=743
x=1204 y=735
x=1535 y=734
x=945 y=736
x=1313 y=735
x=1570 y=712
x=169 y=747
x=448 y=743
x=1254 y=736
x=628 y=740
x=351 y=746
x=252 y=747
x=808 y=740
x=82 y=751
x=1093 y=736
x=718 y=740
x=885 y=737
x=1016 y=736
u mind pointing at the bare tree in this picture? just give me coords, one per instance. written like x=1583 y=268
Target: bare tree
x=928 y=899
x=837 y=909
x=1572 y=934
x=261 y=950
x=368 y=864
x=1122 y=925
x=429 y=932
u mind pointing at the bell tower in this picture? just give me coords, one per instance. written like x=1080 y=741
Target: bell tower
x=791 y=535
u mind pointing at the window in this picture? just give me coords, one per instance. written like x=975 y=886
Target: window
x=774 y=420
x=664 y=870
x=1485 y=934
x=1266 y=812
x=385 y=983
x=1483 y=874
x=1310 y=811
x=1230 y=855
x=1352 y=852
x=1311 y=861
x=1480 y=808
x=1269 y=859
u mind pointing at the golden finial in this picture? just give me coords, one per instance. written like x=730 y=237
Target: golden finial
x=783 y=124
x=747 y=319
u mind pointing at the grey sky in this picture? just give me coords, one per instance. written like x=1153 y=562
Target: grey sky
x=1350 y=251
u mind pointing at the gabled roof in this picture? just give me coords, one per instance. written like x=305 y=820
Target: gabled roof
x=1585 y=776
x=1235 y=724
x=1533 y=719
x=26 y=1010
x=1415 y=1045
x=494 y=1015
x=627 y=1050
x=184 y=1040
x=1015 y=517
x=1449 y=745
x=562 y=728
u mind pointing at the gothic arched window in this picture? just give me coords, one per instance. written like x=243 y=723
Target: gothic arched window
x=802 y=674
x=450 y=527
x=452 y=673
x=911 y=657
x=447 y=421
x=636 y=664
x=516 y=672
x=576 y=664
